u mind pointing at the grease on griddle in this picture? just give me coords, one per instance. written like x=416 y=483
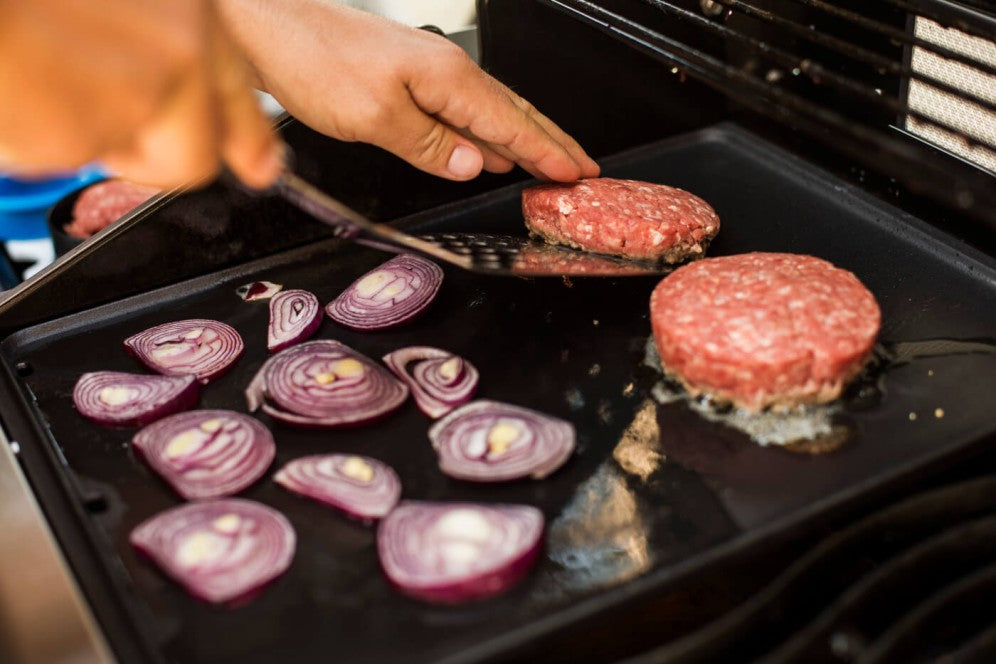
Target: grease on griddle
x=815 y=429
x=605 y=412
x=898 y=353
x=600 y=539
x=638 y=451
x=808 y=429
x=574 y=399
x=868 y=388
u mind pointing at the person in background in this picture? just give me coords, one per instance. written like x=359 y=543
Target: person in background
x=161 y=92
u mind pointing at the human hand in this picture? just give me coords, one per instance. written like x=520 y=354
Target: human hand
x=359 y=77
x=156 y=91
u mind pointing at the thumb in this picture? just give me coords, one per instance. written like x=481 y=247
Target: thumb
x=430 y=145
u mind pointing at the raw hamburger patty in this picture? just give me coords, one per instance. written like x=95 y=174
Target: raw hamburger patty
x=764 y=329
x=621 y=217
x=104 y=203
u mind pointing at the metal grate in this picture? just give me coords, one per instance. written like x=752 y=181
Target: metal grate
x=864 y=77
x=975 y=120
x=910 y=583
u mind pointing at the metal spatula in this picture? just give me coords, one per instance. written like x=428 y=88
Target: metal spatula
x=478 y=252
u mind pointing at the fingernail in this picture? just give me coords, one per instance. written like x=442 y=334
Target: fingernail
x=465 y=162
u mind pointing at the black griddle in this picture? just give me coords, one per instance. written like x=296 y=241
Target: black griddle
x=572 y=349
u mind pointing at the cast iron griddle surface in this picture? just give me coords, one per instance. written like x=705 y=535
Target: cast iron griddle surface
x=651 y=489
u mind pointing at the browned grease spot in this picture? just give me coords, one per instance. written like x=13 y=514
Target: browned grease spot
x=824 y=444
x=638 y=452
x=601 y=536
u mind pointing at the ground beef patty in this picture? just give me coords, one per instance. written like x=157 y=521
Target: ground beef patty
x=104 y=203
x=764 y=329
x=622 y=218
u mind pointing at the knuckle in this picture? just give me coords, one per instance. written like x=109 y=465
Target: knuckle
x=527 y=108
x=378 y=114
x=431 y=147
x=368 y=117
x=516 y=141
x=451 y=51
x=453 y=60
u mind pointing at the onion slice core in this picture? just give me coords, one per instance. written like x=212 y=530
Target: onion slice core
x=390 y=295
x=490 y=441
x=324 y=383
x=219 y=550
x=361 y=487
x=207 y=453
x=202 y=347
x=126 y=399
x=455 y=552
x=294 y=316
x=440 y=381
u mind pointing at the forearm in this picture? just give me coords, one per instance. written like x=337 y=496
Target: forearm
x=359 y=77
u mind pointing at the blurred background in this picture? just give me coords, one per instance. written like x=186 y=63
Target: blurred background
x=449 y=15
x=25 y=236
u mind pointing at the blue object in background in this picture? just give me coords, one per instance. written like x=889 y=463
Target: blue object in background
x=24 y=202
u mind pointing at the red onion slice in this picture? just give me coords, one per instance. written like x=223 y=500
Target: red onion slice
x=219 y=550
x=124 y=399
x=294 y=316
x=363 y=488
x=324 y=383
x=489 y=441
x=207 y=453
x=201 y=347
x=454 y=552
x=440 y=381
x=394 y=293
x=258 y=290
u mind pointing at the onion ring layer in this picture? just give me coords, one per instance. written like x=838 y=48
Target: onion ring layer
x=207 y=453
x=454 y=552
x=439 y=382
x=201 y=347
x=489 y=441
x=388 y=296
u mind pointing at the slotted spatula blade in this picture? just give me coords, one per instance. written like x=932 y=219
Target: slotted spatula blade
x=527 y=257
x=478 y=252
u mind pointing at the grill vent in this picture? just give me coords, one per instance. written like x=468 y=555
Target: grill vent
x=975 y=121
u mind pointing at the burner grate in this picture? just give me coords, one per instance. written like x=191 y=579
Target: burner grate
x=912 y=582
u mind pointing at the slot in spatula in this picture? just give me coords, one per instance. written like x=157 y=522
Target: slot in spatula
x=477 y=252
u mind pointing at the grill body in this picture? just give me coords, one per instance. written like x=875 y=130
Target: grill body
x=633 y=551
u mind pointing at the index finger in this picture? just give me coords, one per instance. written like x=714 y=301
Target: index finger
x=464 y=96
x=589 y=168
